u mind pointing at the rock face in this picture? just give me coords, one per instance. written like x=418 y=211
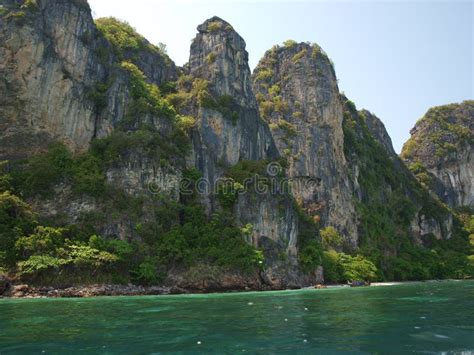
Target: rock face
x=298 y=94
x=219 y=57
x=441 y=152
x=390 y=201
x=46 y=70
x=63 y=80
x=99 y=100
x=229 y=131
x=56 y=70
x=378 y=131
x=114 y=90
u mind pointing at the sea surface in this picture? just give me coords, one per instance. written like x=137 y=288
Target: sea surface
x=428 y=317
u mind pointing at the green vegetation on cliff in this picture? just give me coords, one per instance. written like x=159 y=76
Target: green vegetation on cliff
x=442 y=130
x=190 y=92
x=439 y=152
x=341 y=267
x=177 y=236
x=389 y=200
x=125 y=40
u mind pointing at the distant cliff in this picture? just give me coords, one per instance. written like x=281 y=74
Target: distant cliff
x=440 y=152
x=123 y=167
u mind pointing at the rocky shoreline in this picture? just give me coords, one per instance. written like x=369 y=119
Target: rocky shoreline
x=86 y=291
x=178 y=282
x=27 y=291
x=9 y=288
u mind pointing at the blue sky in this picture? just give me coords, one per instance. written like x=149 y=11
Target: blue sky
x=395 y=59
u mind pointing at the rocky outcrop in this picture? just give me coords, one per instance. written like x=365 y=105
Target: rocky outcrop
x=150 y=59
x=218 y=55
x=139 y=175
x=63 y=80
x=441 y=152
x=46 y=70
x=378 y=131
x=390 y=201
x=298 y=95
x=230 y=130
x=59 y=76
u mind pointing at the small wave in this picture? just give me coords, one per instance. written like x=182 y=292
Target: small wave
x=429 y=336
x=153 y=310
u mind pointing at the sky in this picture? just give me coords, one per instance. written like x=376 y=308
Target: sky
x=393 y=58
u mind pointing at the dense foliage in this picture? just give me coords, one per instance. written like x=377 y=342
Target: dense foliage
x=125 y=41
x=341 y=267
x=179 y=236
x=190 y=92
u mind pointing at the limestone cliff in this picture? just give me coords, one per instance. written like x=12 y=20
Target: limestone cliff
x=440 y=152
x=344 y=170
x=390 y=202
x=229 y=131
x=113 y=114
x=46 y=69
x=298 y=95
x=59 y=81
x=378 y=131
x=64 y=80
x=136 y=128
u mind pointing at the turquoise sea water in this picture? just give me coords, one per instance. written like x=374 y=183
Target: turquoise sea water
x=427 y=317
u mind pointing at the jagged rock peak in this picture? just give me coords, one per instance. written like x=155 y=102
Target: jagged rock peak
x=298 y=54
x=378 y=130
x=304 y=70
x=79 y=3
x=297 y=92
x=440 y=152
x=215 y=24
x=218 y=55
x=440 y=133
